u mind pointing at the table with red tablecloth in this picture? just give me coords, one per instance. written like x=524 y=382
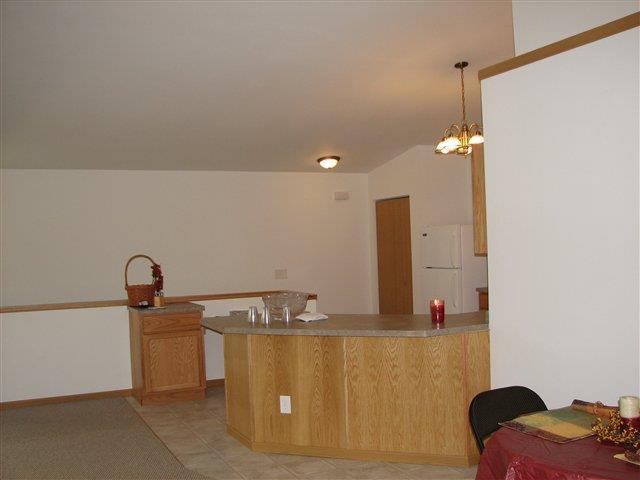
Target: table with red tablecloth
x=513 y=455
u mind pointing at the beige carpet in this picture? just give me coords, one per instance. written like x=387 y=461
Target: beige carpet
x=96 y=439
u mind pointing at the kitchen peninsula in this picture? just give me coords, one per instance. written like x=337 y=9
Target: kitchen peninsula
x=377 y=387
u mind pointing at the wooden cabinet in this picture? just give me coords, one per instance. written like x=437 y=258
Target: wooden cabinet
x=479 y=201
x=368 y=398
x=167 y=353
x=483 y=300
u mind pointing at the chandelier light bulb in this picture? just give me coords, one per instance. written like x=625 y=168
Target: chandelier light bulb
x=476 y=139
x=452 y=142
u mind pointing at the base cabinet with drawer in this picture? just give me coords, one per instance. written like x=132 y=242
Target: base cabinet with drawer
x=167 y=353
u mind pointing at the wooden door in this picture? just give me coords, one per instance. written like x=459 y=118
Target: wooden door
x=395 y=282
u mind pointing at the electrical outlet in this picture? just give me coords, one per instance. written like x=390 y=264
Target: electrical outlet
x=285 y=404
x=280 y=273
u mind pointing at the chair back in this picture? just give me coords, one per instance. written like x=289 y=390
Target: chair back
x=489 y=408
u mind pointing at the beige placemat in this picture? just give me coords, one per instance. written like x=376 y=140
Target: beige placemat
x=560 y=425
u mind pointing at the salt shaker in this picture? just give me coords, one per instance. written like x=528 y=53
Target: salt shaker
x=266 y=317
x=286 y=314
x=252 y=315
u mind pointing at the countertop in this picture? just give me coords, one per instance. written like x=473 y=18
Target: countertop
x=183 y=307
x=355 y=325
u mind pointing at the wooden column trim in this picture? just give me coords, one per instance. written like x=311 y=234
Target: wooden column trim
x=584 y=38
x=478 y=192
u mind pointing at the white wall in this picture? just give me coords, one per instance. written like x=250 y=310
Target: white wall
x=66 y=235
x=439 y=187
x=70 y=352
x=64 y=352
x=537 y=23
x=561 y=165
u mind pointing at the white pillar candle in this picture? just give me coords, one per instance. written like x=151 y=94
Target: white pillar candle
x=629 y=407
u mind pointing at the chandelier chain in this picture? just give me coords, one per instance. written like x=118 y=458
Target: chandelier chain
x=464 y=110
x=460 y=139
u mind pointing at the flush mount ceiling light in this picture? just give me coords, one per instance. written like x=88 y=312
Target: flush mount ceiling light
x=458 y=139
x=329 y=162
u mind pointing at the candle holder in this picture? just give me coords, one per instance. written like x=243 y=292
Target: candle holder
x=629 y=408
x=437 y=310
x=633 y=422
x=615 y=432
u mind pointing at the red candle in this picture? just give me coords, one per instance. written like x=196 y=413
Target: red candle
x=437 y=310
x=631 y=422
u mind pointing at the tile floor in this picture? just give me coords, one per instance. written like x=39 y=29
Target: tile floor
x=195 y=433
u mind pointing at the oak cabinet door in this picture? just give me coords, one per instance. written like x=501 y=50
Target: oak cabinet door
x=173 y=361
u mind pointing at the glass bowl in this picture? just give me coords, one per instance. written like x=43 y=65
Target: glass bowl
x=297 y=302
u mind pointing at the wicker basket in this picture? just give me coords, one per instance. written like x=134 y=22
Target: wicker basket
x=139 y=293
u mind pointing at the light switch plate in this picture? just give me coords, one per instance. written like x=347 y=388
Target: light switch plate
x=285 y=404
x=280 y=273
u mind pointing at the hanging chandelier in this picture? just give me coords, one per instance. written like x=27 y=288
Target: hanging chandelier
x=459 y=138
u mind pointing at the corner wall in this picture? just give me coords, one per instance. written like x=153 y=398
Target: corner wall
x=563 y=222
x=439 y=187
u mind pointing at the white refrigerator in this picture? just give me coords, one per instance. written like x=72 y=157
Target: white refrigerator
x=450 y=270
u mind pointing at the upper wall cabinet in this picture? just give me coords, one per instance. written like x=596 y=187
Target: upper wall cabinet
x=479 y=201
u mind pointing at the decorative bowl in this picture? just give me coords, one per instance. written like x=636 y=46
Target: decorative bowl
x=297 y=302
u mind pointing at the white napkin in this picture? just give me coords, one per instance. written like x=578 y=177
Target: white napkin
x=311 y=317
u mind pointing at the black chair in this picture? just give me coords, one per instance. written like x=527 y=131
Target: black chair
x=489 y=408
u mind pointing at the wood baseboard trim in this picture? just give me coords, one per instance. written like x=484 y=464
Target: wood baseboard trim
x=399 y=457
x=328 y=452
x=160 y=398
x=32 y=402
x=216 y=382
x=119 y=303
x=240 y=437
x=584 y=38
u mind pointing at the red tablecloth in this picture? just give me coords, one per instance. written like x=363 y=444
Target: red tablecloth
x=512 y=455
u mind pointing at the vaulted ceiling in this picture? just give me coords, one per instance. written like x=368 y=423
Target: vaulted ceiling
x=249 y=86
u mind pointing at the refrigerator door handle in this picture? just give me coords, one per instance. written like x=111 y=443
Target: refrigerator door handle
x=454 y=287
x=451 y=252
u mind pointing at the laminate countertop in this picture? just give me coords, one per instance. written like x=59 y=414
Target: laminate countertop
x=355 y=325
x=170 y=308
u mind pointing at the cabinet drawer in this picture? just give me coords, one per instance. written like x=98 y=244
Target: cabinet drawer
x=171 y=323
